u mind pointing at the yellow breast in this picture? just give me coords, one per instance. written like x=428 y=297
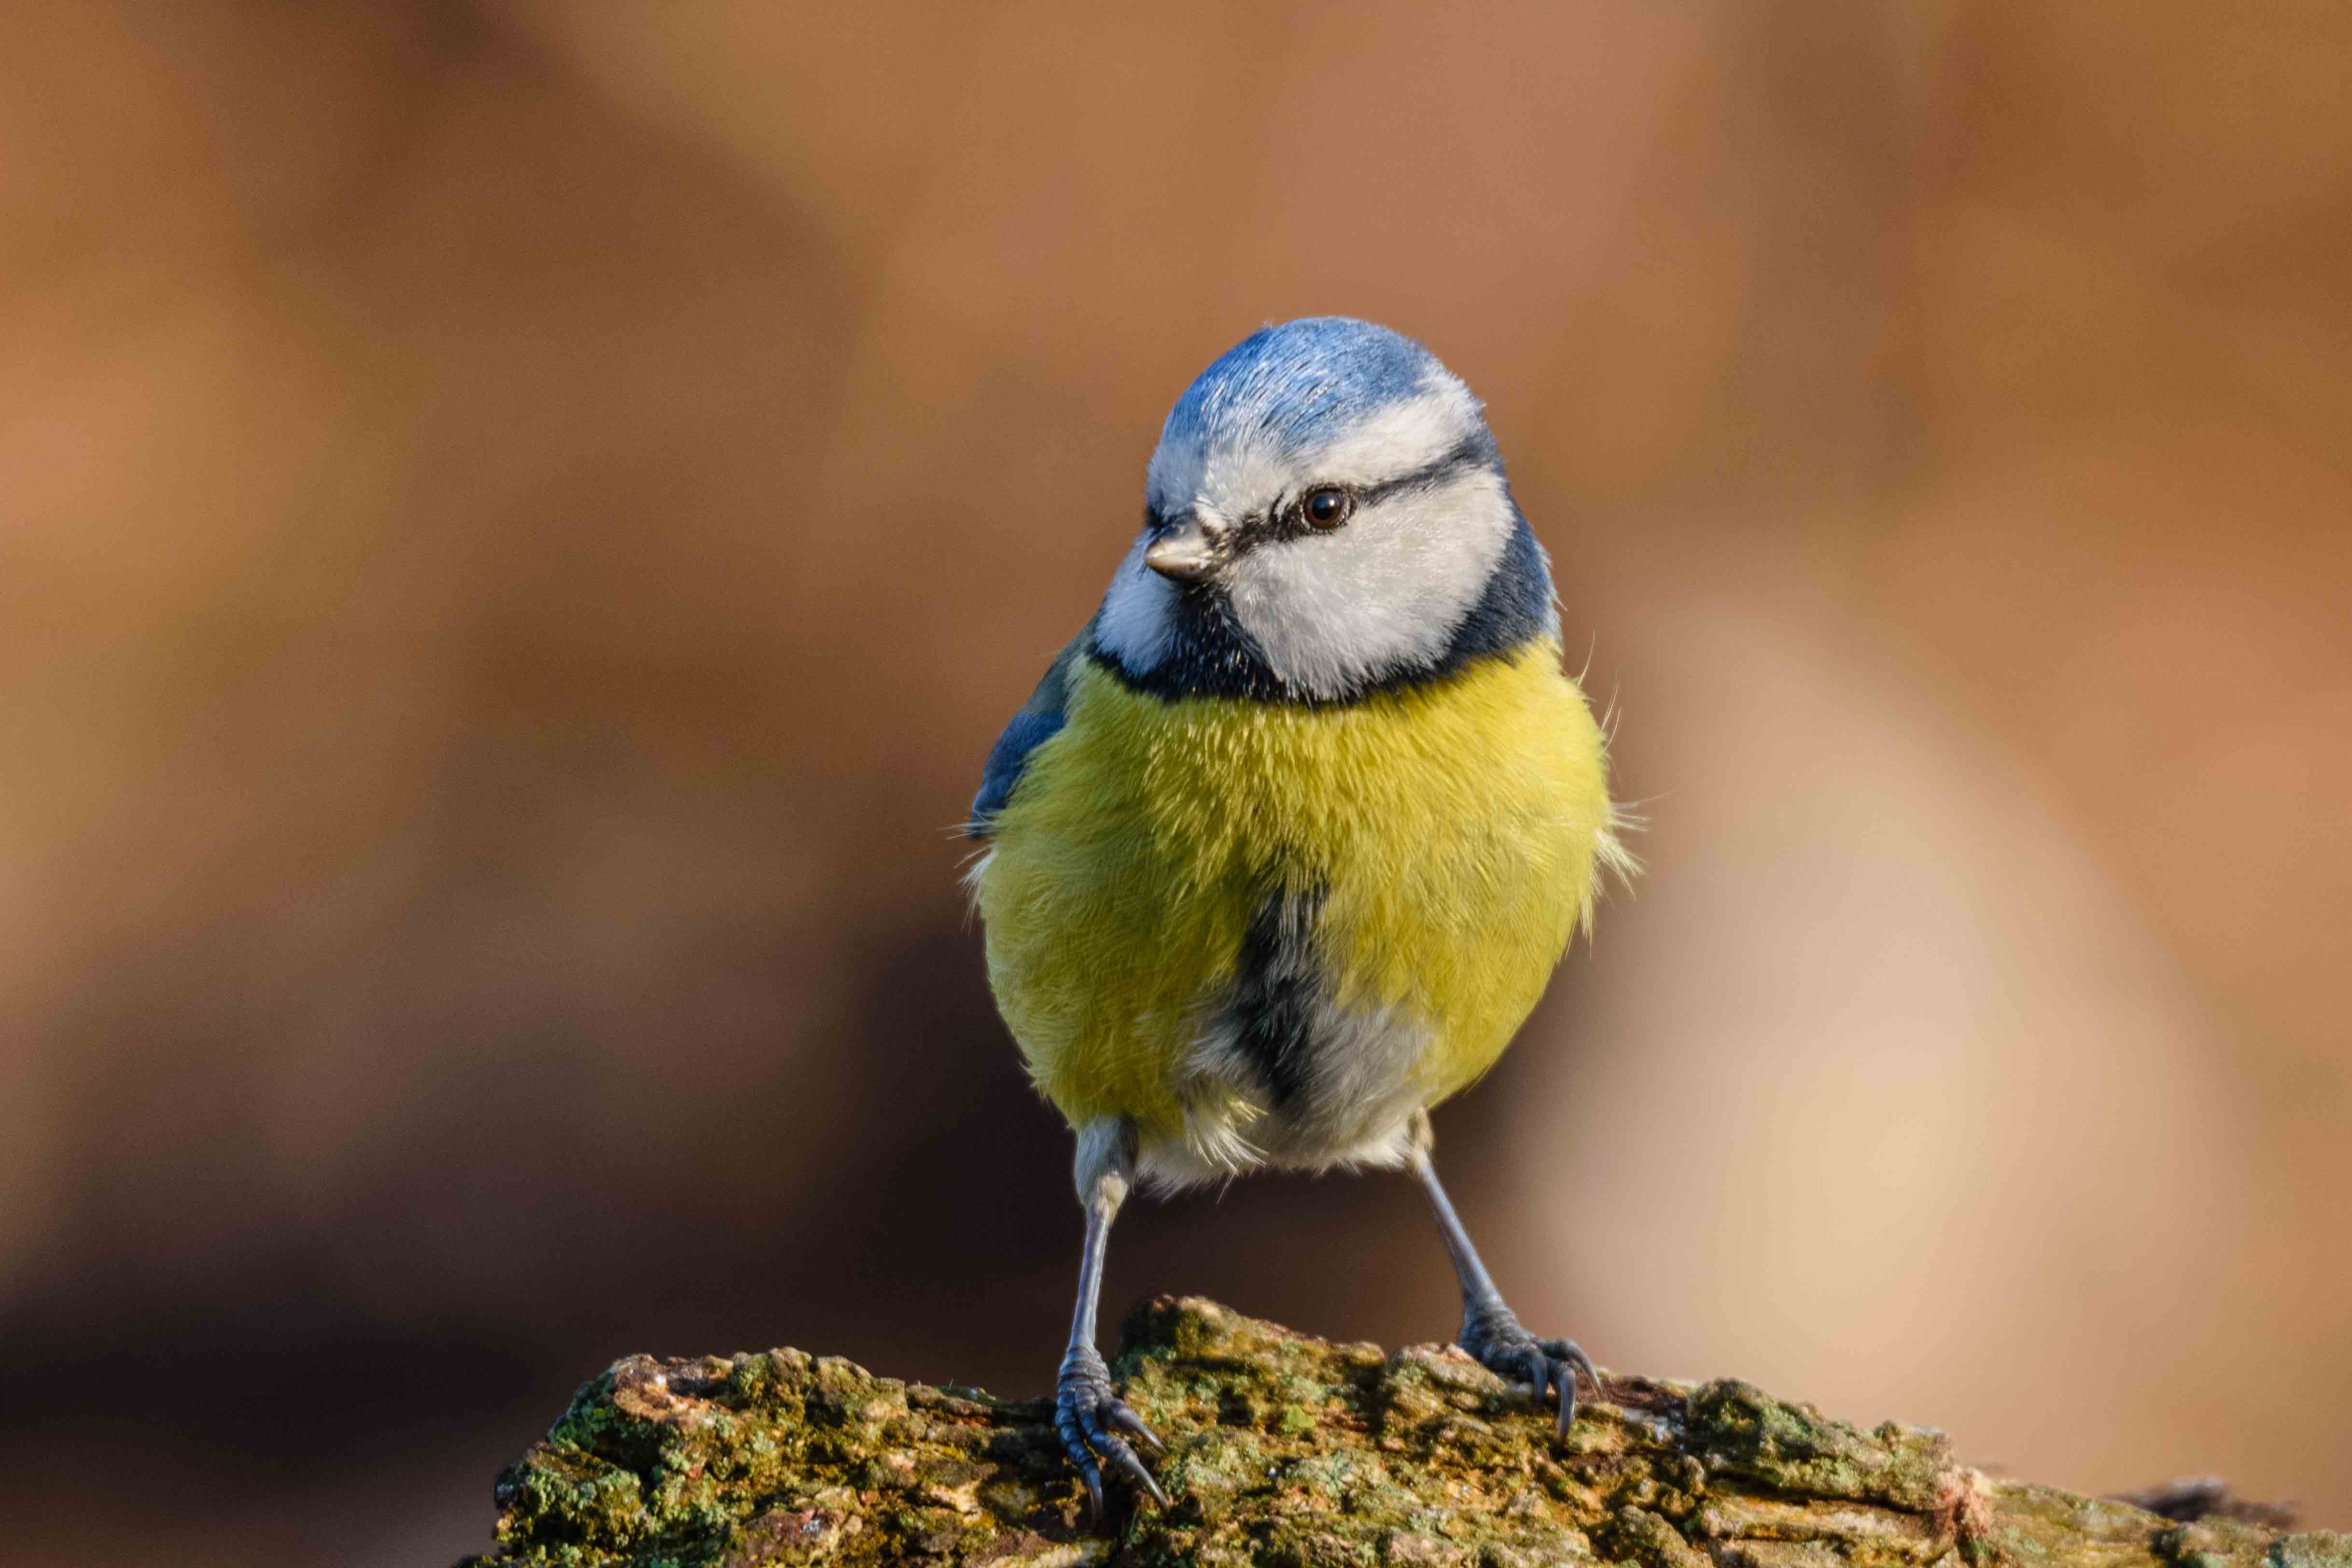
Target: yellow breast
x=1452 y=831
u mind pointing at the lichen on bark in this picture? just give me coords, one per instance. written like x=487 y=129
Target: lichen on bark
x=1290 y=1452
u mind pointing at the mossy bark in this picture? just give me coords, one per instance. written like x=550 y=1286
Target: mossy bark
x=1287 y=1450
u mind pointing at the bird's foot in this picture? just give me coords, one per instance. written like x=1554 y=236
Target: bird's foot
x=1492 y=1334
x=1093 y=1421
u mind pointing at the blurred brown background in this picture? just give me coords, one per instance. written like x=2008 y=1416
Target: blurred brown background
x=518 y=521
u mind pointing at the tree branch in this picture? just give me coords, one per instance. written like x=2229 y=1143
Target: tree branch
x=1288 y=1450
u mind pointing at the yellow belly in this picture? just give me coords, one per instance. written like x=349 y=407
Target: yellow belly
x=1452 y=829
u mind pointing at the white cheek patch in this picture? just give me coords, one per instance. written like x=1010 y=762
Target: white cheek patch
x=1334 y=612
x=1137 y=625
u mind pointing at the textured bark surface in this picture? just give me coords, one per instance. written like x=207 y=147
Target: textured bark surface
x=1288 y=1450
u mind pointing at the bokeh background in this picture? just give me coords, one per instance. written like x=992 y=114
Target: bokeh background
x=519 y=520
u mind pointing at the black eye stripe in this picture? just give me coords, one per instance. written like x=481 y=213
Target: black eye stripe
x=1284 y=520
x=1471 y=454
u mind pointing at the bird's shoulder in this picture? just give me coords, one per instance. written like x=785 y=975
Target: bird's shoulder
x=1039 y=720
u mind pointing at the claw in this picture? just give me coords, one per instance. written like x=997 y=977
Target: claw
x=1123 y=1460
x=1494 y=1338
x=1091 y=1473
x=1573 y=1353
x=1090 y=1418
x=1116 y=1454
x=1128 y=1422
x=1065 y=1421
x=1571 y=1359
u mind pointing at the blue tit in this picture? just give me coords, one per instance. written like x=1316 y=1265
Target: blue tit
x=1288 y=842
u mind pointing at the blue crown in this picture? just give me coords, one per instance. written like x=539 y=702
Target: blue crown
x=1300 y=382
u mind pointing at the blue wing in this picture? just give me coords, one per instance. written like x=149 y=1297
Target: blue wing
x=1039 y=721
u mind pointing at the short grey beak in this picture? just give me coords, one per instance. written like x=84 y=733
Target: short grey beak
x=1185 y=554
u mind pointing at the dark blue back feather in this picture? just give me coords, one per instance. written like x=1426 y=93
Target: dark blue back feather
x=1038 y=721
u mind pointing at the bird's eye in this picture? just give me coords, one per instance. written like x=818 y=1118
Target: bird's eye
x=1326 y=508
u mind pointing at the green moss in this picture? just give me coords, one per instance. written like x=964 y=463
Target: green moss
x=2313 y=1549
x=1740 y=1429
x=1282 y=1450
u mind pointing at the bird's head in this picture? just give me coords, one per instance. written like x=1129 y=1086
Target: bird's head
x=1326 y=513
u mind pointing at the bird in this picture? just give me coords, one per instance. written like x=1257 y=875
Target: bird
x=1288 y=840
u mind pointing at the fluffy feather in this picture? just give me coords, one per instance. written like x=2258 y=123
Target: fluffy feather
x=1451 y=833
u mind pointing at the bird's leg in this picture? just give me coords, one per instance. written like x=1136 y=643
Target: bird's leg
x=1491 y=1330
x=1092 y=1420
